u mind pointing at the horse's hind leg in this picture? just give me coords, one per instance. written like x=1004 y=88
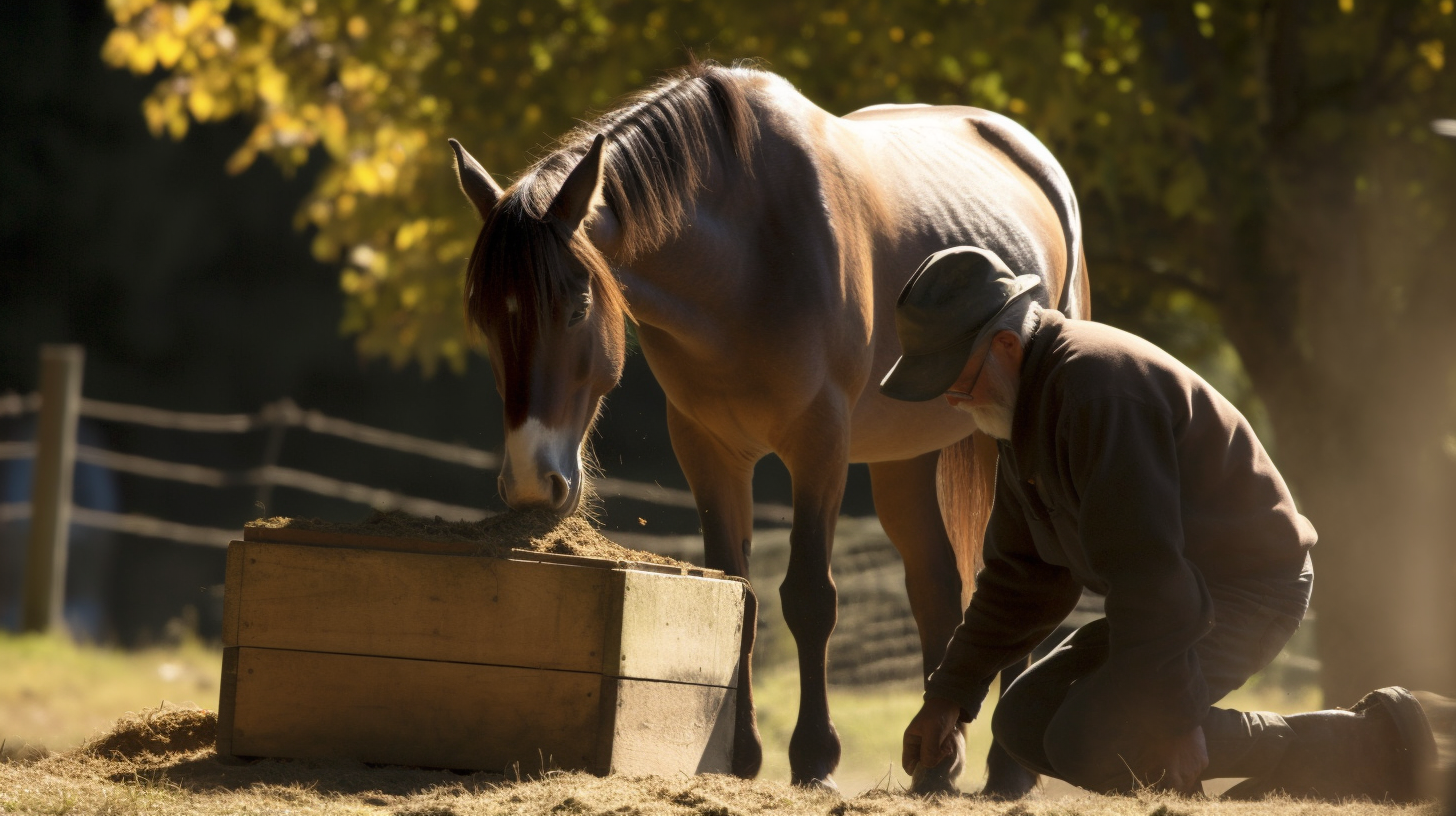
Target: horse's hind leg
x=722 y=483
x=905 y=501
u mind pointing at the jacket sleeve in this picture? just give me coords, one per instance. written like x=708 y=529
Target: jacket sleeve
x=1121 y=457
x=1019 y=600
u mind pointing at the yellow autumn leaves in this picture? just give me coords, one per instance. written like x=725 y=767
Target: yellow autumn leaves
x=345 y=76
x=368 y=90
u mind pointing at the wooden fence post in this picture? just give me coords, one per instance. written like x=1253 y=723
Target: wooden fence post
x=50 y=492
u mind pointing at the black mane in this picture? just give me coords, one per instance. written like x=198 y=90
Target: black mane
x=661 y=143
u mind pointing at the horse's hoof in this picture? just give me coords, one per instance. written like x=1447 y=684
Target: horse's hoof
x=747 y=745
x=941 y=779
x=933 y=782
x=747 y=759
x=823 y=784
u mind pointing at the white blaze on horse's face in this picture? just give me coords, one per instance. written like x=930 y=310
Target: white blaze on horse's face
x=552 y=373
x=542 y=467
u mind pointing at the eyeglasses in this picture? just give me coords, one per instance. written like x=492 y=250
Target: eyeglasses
x=966 y=394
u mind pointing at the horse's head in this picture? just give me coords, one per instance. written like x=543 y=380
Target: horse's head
x=553 y=317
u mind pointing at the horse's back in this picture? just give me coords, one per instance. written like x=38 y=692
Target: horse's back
x=952 y=174
x=978 y=174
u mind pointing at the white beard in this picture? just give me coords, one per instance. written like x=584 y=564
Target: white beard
x=992 y=420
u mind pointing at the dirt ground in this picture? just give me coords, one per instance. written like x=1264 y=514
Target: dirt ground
x=162 y=762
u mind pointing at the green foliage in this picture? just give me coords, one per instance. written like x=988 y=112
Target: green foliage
x=1166 y=116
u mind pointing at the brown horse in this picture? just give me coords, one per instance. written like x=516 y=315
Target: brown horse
x=759 y=243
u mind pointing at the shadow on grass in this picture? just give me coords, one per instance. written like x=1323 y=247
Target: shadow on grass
x=206 y=772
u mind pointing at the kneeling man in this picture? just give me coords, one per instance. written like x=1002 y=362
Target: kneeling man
x=1123 y=472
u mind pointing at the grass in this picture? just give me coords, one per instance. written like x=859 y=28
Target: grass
x=54 y=693
x=58 y=694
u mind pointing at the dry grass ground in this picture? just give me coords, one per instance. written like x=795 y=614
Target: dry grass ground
x=160 y=763
x=58 y=694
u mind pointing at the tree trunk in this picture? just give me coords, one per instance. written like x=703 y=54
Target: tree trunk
x=1339 y=302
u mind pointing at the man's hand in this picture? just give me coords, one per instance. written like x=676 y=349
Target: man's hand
x=930 y=737
x=1177 y=762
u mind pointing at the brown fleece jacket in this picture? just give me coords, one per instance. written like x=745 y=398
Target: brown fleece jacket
x=1129 y=475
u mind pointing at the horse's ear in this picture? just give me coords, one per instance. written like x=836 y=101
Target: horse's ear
x=580 y=190
x=477 y=184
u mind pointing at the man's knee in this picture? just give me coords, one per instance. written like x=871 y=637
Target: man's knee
x=1091 y=754
x=1091 y=766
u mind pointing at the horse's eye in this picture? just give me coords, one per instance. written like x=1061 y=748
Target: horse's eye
x=581 y=309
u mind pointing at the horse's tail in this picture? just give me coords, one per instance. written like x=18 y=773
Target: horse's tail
x=965 y=484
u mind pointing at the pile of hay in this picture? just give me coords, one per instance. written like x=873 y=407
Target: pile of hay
x=536 y=530
x=156 y=732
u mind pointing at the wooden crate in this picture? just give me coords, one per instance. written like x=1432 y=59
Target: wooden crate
x=417 y=653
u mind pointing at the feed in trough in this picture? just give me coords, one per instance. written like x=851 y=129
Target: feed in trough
x=495 y=537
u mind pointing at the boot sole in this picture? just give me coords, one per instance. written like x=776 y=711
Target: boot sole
x=1417 y=742
x=1416 y=737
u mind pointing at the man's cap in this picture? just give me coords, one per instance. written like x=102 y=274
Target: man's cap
x=945 y=307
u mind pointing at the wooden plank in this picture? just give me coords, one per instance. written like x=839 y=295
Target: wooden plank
x=677 y=628
x=226 y=698
x=430 y=607
x=232 y=592
x=413 y=712
x=667 y=729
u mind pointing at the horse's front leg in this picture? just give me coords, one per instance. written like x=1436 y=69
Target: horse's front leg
x=721 y=477
x=816 y=453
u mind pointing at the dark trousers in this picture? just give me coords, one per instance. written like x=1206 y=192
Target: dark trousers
x=1062 y=717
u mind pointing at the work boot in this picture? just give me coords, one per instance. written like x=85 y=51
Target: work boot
x=1378 y=749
